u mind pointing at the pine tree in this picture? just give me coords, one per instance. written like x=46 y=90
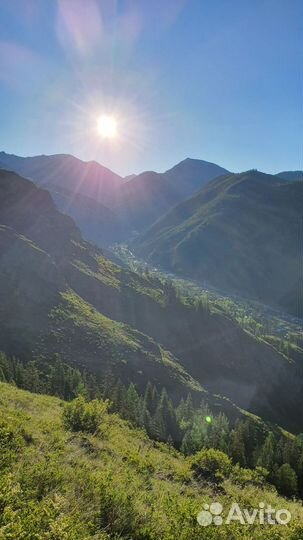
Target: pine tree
x=5 y=369
x=287 y=480
x=187 y=413
x=148 y=398
x=56 y=379
x=108 y=384
x=237 y=447
x=133 y=404
x=267 y=454
x=119 y=399
x=165 y=413
x=218 y=433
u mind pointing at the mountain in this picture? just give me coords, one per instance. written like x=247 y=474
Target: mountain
x=106 y=207
x=59 y=294
x=241 y=234
x=291 y=175
x=149 y=195
x=129 y=177
x=67 y=173
x=82 y=190
x=190 y=175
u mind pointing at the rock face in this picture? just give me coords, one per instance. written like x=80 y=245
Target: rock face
x=241 y=234
x=59 y=294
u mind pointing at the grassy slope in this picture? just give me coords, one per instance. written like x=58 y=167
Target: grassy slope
x=42 y=315
x=119 y=484
x=76 y=325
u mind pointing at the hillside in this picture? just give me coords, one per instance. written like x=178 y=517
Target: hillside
x=241 y=234
x=73 y=485
x=58 y=294
x=40 y=314
x=98 y=223
x=149 y=195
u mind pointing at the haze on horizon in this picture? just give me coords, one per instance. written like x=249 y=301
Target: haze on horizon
x=218 y=81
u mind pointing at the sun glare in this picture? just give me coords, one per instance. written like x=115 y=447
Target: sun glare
x=107 y=126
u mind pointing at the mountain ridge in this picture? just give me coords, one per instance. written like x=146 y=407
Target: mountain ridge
x=233 y=225
x=126 y=205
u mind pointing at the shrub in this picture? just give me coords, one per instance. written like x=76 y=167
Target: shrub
x=211 y=464
x=80 y=415
x=245 y=477
x=117 y=512
x=9 y=445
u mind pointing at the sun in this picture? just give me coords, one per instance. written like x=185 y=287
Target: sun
x=107 y=126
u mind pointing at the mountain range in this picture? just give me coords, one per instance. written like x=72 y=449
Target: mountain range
x=106 y=207
x=239 y=233
x=61 y=295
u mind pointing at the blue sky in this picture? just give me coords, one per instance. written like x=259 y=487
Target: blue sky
x=219 y=80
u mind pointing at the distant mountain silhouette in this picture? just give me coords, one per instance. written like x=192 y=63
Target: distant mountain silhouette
x=291 y=175
x=66 y=172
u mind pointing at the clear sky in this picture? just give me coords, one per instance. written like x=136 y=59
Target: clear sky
x=219 y=80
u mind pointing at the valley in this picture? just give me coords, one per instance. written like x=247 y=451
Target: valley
x=281 y=324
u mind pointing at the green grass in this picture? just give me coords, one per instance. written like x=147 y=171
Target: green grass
x=102 y=341
x=115 y=484
x=111 y=275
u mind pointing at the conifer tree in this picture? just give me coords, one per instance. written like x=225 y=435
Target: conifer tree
x=287 y=481
x=133 y=403
x=267 y=455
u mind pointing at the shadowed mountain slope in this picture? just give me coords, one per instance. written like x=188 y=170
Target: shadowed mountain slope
x=241 y=234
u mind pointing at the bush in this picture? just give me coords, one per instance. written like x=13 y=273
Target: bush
x=9 y=445
x=80 y=415
x=212 y=465
x=117 y=512
x=245 y=477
